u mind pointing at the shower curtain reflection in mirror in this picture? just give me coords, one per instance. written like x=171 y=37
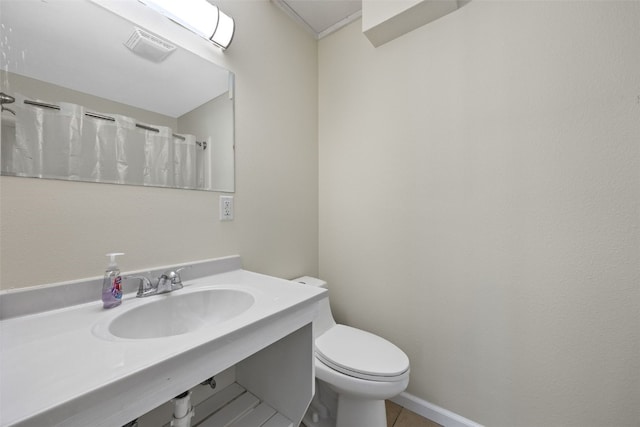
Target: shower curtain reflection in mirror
x=65 y=141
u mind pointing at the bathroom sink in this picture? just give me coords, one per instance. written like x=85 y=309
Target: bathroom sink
x=180 y=312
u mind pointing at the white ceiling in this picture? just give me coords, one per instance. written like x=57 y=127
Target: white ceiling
x=322 y=17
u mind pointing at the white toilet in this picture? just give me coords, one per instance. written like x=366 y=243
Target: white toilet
x=357 y=372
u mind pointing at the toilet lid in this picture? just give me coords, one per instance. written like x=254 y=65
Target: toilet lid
x=360 y=354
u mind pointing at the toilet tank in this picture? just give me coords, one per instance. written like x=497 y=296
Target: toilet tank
x=312 y=281
x=325 y=320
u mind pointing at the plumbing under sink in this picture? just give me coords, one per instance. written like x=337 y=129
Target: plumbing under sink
x=180 y=313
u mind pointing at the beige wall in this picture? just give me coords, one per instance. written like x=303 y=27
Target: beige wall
x=54 y=231
x=479 y=206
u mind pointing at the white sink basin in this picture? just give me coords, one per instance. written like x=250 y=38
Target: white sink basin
x=180 y=312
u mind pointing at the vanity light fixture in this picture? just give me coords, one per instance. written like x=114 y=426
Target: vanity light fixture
x=199 y=16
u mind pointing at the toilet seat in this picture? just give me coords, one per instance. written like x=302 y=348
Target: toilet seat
x=361 y=354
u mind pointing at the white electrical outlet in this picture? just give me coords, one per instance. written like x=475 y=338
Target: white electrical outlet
x=226 y=208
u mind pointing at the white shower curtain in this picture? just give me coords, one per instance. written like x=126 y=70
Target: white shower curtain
x=46 y=140
x=185 y=161
x=67 y=143
x=159 y=153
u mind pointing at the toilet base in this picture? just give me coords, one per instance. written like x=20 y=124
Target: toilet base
x=354 y=412
x=330 y=409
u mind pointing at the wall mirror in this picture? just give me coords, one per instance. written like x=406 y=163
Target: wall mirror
x=111 y=91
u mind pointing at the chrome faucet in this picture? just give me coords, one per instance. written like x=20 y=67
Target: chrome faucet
x=168 y=281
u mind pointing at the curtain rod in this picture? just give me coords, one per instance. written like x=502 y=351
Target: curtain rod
x=97 y=116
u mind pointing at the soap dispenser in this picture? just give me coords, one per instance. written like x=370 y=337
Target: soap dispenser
x=111 y=285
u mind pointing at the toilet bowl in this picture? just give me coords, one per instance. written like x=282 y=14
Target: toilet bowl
x=356 y=371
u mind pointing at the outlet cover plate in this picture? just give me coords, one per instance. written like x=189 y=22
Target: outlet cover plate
x=226 y=208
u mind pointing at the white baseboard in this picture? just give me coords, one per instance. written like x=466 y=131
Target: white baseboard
x=433 y=412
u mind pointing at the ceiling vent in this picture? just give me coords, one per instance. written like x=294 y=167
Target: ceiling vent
x=149 y=46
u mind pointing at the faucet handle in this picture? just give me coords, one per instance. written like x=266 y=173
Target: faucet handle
x=174 y=277
x=145 y=287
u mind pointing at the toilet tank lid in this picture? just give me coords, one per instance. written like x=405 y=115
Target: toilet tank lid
x=313 y=281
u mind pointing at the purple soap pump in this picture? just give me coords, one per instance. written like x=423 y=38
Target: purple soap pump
x=111 y=286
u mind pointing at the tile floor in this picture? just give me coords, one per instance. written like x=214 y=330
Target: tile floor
x=397 y=416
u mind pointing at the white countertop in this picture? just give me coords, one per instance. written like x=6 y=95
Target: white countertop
x=55 y=370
